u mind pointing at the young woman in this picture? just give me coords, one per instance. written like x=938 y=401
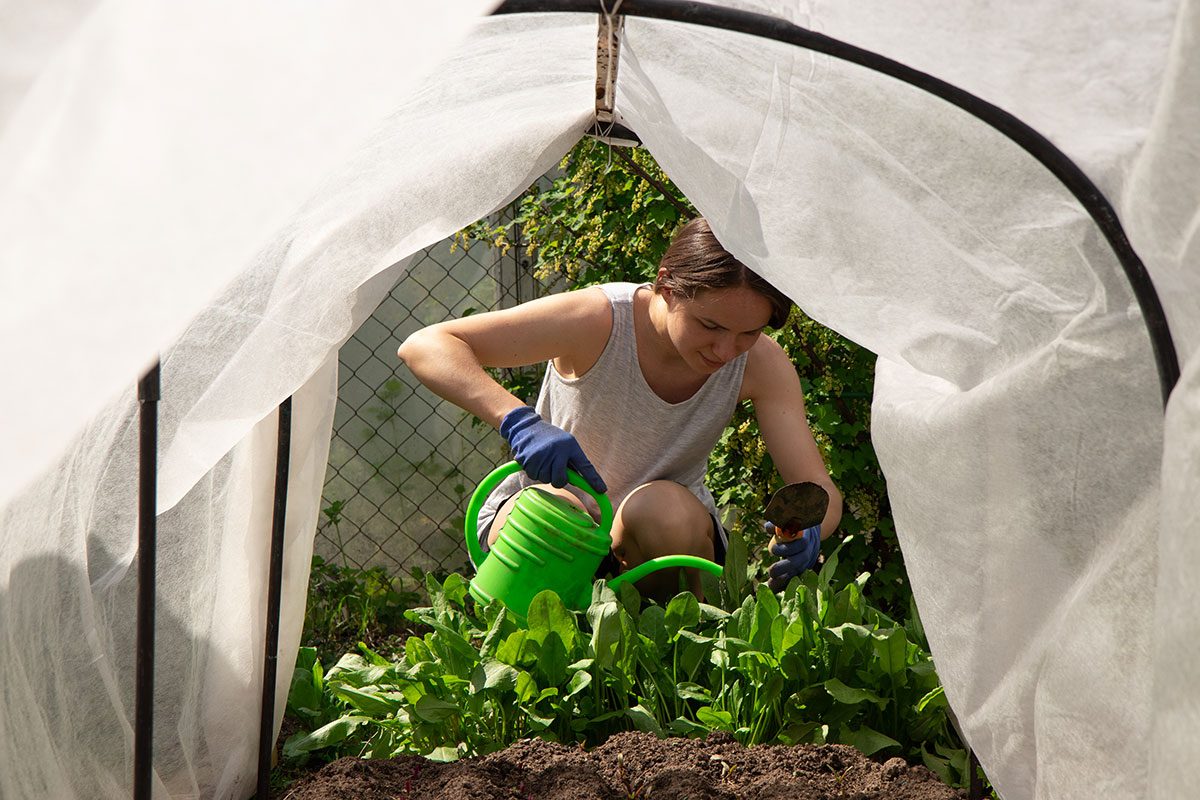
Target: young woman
x=641 y=382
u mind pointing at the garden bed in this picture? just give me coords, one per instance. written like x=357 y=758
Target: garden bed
x=796 y=693
x=630 y=765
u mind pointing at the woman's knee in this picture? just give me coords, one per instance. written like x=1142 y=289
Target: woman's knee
x=664 y=517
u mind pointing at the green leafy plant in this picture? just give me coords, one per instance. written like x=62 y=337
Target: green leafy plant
x=814 y=664
x=348 y=604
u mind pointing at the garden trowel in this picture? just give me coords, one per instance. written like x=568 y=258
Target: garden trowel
x=795 y=507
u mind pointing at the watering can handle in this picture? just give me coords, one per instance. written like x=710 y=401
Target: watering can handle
x=471 y=523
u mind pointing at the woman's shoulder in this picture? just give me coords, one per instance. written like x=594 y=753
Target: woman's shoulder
x=767 y=353
x=764 y=361
x=585 y=327
x=593 y=303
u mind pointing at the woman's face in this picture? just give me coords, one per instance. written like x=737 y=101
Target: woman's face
x=716 y=326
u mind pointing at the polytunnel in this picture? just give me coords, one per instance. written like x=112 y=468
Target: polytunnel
x=232 y=188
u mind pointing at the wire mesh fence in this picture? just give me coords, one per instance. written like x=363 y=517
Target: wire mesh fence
x=403 y=462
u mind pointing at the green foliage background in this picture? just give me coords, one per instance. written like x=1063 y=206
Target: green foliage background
x=609 y=216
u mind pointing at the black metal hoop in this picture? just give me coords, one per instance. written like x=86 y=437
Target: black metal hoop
x=1038 y=146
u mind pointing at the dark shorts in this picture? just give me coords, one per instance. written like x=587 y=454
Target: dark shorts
x=609 y=566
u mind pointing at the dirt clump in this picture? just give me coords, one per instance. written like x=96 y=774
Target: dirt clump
x=631 y=765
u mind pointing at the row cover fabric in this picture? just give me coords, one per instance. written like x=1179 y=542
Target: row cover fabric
x=67 y=583
x=1043 y=507
x=1011 y=350
x=147 y=153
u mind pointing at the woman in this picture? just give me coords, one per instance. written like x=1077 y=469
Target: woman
x=641 y=382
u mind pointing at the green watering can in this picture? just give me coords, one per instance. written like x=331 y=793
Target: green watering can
x=549 y=543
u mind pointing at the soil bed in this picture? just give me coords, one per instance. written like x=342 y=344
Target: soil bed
x=631 y=765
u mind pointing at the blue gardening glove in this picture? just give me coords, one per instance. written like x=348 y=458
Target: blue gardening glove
x=796 y=555
x=545 y=451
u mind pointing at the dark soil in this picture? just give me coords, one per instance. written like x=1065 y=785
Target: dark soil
x=631 y=765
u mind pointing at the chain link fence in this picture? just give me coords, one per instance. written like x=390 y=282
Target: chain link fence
x=403 y=462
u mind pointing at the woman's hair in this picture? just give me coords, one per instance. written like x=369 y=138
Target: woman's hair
x=696 y=261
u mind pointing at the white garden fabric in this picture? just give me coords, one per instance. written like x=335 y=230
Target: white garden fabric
x=237 y=190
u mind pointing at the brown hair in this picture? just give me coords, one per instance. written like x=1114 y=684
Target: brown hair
x=695 y=261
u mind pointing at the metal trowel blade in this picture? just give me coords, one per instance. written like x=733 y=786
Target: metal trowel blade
x=797 y=506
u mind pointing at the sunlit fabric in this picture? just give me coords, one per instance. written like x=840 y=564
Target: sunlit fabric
x=237 y=189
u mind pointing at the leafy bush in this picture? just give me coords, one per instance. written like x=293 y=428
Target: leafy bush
x=605 y=217
x=814 y=664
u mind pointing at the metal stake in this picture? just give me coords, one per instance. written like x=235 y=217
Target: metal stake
x=143 y=727
x=266 y=730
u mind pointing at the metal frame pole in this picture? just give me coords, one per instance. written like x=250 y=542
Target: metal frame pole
x=143 y=726
x=266 y=730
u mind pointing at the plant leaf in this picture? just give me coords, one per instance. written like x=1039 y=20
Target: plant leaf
x=891 y=650
x=715 y=719
x=494 y=674
x=517 y=650
x=869 y=741
x=851 y=696
x=433 y=709
x=501 y=628
x=736 y=561
x=579 y=681
x=370 y=703
x=685 y=727
x=606 y=630
x=800 y=733
x=683 y=612
x=325 y=736
x=443 y=754
x=694 y=691
x=455 y=589
x=549 y=616
x=652 y=625
x=643 y=720
x=933 y=699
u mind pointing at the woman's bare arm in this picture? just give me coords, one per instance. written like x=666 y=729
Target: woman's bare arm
x=772 y=384
x=450 y=357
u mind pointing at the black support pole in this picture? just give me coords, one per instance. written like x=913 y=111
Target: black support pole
x=143 y=726
x=266 y=730
x=975 y=790
x=1038 y=146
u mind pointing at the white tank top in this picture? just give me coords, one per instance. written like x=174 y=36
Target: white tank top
x=629 y=433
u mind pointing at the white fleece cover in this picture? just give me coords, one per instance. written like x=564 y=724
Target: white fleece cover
x=237 y=186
